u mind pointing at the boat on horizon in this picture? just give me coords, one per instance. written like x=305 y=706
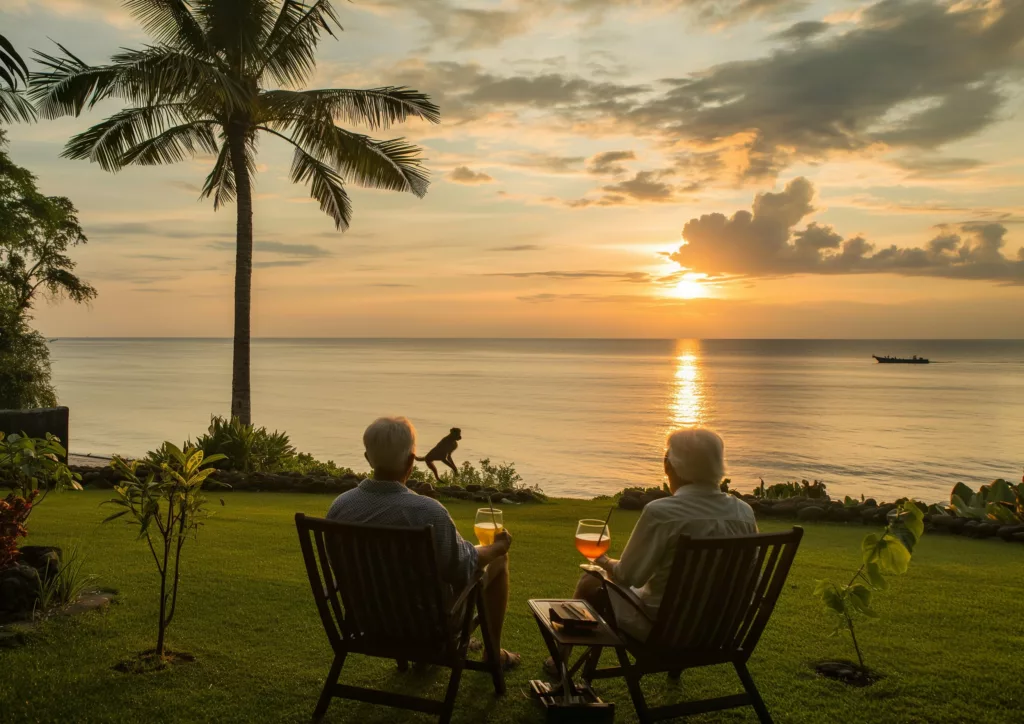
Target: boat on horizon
x=915 y=360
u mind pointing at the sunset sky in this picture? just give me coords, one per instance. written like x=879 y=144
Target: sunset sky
x=835 y=169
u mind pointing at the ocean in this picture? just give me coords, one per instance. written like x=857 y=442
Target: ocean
x=583 y=418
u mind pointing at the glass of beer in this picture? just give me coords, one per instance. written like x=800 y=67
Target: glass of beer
x=593 y=539
x=488 y=522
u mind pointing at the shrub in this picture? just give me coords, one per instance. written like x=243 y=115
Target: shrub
x=503 y=477
x=247 y=448
x=168 y=507
x=780 y=491
x=14 y=510
x=998 y=501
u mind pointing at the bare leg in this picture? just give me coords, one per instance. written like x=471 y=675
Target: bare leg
x=451 y=463
x=433 y=469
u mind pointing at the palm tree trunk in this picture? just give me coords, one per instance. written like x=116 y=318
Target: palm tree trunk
x=241 y=403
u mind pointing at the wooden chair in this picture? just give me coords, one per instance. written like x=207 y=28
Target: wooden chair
x=720 y=594
x=379 y=593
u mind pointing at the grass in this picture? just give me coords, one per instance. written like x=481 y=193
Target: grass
x=949 y=641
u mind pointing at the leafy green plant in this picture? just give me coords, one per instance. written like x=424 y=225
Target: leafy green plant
x=882 y=555
x=32 y=467
x=247 y=448
x=503 y=477
x=781 y=491
x=168 y=506
x=66 y=586
x=308 y=465
x=998 y=501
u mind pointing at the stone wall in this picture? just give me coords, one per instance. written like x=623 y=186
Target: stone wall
x=36 y=423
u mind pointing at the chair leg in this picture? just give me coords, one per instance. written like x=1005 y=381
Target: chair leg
x=328 y=691
x=632 y=677
x=448 y=707
x=402 y=664
x=593 y=659
x=492 y=648
x=755 y=696
x=674 y=675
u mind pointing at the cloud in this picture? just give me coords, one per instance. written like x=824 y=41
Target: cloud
x=803 y=30
x=171 y=229
x=646 y=187
x=306 y=251
x=935 y=166
x=551 y=164
x=467 y=92
x=634 y=277
x=766 y=242
x=469 y=28
x=608 y=163
x=465 y=175
x=517 y=247
x=912 y=74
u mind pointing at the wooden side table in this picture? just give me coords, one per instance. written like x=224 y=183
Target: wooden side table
x=560 y=644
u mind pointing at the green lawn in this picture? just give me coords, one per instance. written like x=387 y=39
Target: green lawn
x=950 y=639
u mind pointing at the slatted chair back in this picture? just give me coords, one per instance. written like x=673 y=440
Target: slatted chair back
x=377 y=588
x=720 y=594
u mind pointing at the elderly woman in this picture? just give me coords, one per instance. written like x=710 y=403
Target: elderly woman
x=695 y=465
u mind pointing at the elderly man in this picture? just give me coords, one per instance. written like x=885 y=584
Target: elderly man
x=390 y=444
x=695 y=465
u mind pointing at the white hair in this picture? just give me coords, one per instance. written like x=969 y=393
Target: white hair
x=697 y=455
x=389 y=441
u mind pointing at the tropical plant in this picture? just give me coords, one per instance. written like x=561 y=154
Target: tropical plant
x=201 y=87
x=781 y=491
x=25 y=376
x=881 y=556
x=999 y=501
x=245 y=447
x=64 y=587
x=14 y=511
x=13 y=77
x=502 y=477
x=167 y=505
x=32 y=467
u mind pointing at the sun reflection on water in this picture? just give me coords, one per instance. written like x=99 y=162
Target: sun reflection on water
x=688 y=398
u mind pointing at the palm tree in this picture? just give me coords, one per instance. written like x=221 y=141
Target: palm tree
x=13 y=75
x=199 y=88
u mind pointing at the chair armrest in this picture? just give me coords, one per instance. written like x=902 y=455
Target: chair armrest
x=461 y=599
x=611 y=586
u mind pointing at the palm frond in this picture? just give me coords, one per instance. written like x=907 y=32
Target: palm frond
x=289 y=52
x=155 y=74
x=221 y=182
x=393 y=165
x=238 y=28
x=169 y=22
x=12 y=67
x=325 y=185
x=14 y=107
x=110 y=141
x=376 y=108
x=173 y=145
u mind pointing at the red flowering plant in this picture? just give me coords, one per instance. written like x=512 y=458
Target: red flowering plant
x=31 y=467
x=14 y=509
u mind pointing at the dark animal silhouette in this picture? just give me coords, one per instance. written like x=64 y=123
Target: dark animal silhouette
x=442 y=452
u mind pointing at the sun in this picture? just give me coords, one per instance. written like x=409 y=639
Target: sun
x=690 y=286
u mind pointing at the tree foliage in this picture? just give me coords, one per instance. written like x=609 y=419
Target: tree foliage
x=36 y=234
x=162 y=495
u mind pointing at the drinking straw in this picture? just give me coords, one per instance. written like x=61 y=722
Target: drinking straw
x=605 y=526
x=494 y=518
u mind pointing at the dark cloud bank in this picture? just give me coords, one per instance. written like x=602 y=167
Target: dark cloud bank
x=766 y=242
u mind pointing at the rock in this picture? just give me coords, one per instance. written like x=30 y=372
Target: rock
x=987 y=529
x=45 y=559
x=1017 y=537
x=887 y=508
x=630 y=502
x=474 y=488
x=842 y=515
x=490 y=491
x=1006 y=532
x=19 y=591
x=868 y=515
x=787 y=507
x=525 y=496
x=810 y=513
x=871 y=503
